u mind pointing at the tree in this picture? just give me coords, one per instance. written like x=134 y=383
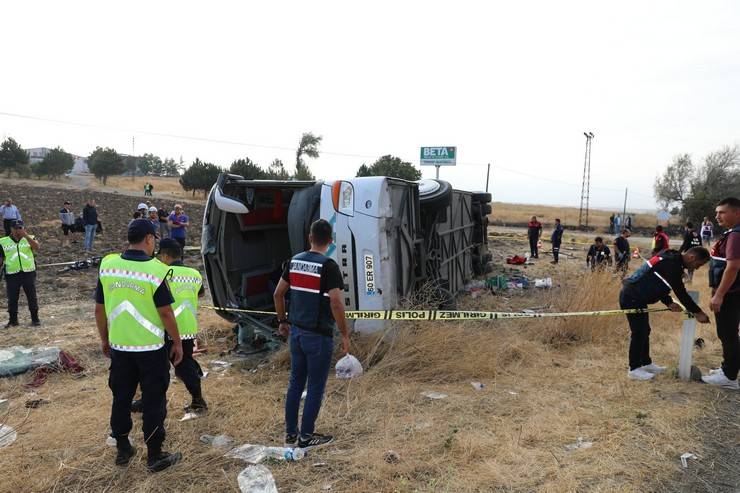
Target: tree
x=104 y=163
x=13 y=157
x=697 y=191
x=277 y=171
x=247 y=169
x=200 y=176
x=148 y=163
x=391 y=166
x=308 y=146
x=170 y=167
x=56 y=163
x=132 y=164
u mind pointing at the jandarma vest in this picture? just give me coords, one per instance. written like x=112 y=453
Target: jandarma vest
x=128 y=288
x=18 y=256
x=309 y=306
x=185 y=284
x=718 y=264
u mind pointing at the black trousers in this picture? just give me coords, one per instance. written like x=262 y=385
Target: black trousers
x=6 y=225
x=188 y=371
x=14 y=283
x=639 y=353
x=533 y=246
x=151 y=370
x=728 y=319
x=555 y=250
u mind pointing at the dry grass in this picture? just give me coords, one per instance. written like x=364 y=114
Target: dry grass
x=547 y=382
x=162 y=185
x=504 y=214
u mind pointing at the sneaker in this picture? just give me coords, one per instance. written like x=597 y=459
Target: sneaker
x=716 y=371
x=124 y=454
x=720 y=380
x=137 y=406
x=314 y=440
x=640 y=374
x=162 y=460
x=291 y=439
x=653 y=368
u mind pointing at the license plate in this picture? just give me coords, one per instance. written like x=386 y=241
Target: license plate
x=369 y=264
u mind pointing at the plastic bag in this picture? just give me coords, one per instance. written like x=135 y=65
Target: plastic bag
x=348 y=367
x=256 y=479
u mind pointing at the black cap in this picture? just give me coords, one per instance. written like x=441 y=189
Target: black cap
x=18 y=223
x=141 y=227
x=169 y=244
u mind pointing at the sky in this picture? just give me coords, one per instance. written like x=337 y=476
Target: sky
x=514 y=84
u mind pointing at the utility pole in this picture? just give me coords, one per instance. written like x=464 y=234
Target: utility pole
x=488 y=175
x=623 y=222
x=586 y=183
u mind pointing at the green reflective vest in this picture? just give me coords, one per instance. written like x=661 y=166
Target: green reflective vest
x=18 y=256
x=128 y=289
x=185 y=284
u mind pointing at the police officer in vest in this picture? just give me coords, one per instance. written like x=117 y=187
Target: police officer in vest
x=186 y=285
x=724 y=278
x=133 y=311
x=315 y=283
x=16 y=256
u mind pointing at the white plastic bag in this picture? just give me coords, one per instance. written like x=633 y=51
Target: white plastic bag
x=348 y=367
x=256 y=479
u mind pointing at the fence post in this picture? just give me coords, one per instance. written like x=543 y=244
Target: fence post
x=688 y=332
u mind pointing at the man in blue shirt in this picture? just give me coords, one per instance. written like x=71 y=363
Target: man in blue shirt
x=10 y=214
x=178 y=222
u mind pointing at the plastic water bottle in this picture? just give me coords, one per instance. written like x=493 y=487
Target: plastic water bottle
x=285 y=453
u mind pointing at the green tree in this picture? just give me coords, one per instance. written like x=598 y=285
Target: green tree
x=391 y=166
x=247 y=169
x=132 y=164
x=148 y=163
x=170 y=167
x=55 y=164
x=13 y=157
x=697 y=190
x=200 y=176
x=277 y=171
x=307 y=146
x=105 y=162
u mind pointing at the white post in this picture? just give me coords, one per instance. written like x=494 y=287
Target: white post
x=437 y=177
x=687 y=343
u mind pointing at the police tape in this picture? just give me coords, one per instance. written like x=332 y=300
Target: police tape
x=457 y=315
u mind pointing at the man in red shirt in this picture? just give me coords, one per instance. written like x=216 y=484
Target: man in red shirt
x=660 y=240
x=725 y=282
x=534 y=231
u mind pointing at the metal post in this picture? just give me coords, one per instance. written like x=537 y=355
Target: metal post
x=624 y=211
x=688 y=331
x=437 y=166
x=488 y=174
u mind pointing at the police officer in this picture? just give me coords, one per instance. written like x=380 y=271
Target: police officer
x=186 y=285
x=133 y=311
x=724 y=278
x=16 y=255
x=556 y=239
x=649 y=284
x=315 y=283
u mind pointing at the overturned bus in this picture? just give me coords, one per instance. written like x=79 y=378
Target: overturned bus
x=391 y=237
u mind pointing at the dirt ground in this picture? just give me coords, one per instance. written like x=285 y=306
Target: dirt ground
x=547 y=382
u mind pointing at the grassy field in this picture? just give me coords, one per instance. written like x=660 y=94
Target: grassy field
x=162 y=185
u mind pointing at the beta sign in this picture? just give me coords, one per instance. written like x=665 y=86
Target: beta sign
x=438 y=156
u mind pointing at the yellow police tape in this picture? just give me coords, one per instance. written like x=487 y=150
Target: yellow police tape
x=456 y=315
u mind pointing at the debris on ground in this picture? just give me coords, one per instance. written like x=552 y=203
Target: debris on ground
x=64 y=362
x=19 y=359
x=36 y=403
x=254 y=454
x=219 y=365
x=516 y=260
x=543 y=283
x=7 y=435
x=190 y=416
x=513 y=393
x=256 y=479
x=110 y=441
x=580 y=443
x=348 y=367
x=392 y=457
x=477 y=385
x=434 y=395
x=685 y=457
x=218 y=441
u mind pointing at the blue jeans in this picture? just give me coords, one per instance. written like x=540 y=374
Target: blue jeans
x=90 y=236
x=310 y=360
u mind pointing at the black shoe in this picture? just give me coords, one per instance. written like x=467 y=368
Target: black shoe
x=124 y=455
x=162 y=460
x=35 y=323
x=198 y=405
x=11 y=323
x=314 y=440
x=137 y=406
x=291 y=439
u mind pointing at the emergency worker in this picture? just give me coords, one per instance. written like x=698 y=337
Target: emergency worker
x=599 y=255
x=16 y=257
x=556 y=239
x=133 y=311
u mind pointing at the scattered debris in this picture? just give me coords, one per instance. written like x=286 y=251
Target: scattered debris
x=320 y=464
x=543 y=283
x=256 y=479
x=3 y=404
x=512 y=392
x=434 y=395
x=190 y=416
x=699 y=343
x=218 y=365
x=391 y=457
x=326 y=487
x=7 y=435
x=20 y=359
x=516 y=260
x=218 y=441
x=254 y=454
x=348 y=367
x=685 y=457
x=64 y=362
x=36 y=403
x=110 y=441
x=477 y=385
x=204 y=375
x=579 y=444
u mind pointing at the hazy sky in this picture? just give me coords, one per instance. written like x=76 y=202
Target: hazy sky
x=512 y=83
